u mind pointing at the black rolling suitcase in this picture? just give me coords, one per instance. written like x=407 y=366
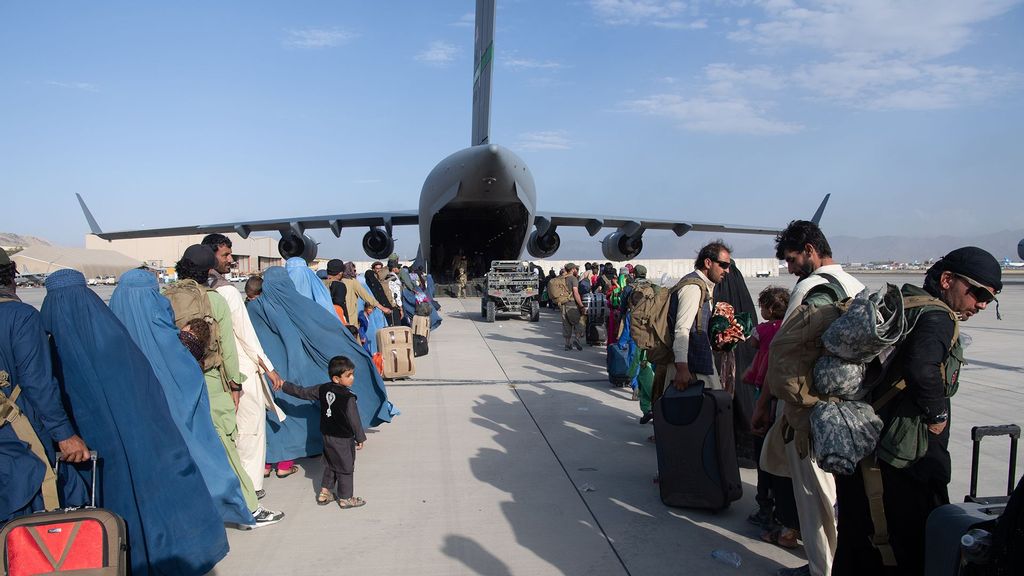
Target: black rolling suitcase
x=947 y=524
x=693 y=432
x=597 y=334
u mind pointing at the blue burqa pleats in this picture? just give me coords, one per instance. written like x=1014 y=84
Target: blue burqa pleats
x=301 y=338
x=25 y=357
x=148 y=317
x=308 y=284
x=374 y=322
x=147 y=475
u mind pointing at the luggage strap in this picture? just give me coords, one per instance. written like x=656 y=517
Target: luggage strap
x=872 y=476
x=11 y=414
x=56 y=564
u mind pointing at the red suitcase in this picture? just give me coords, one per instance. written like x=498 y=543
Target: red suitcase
x=85 y=541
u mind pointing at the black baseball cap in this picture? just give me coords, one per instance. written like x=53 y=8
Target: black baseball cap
x=201 y=256
x=335 y=267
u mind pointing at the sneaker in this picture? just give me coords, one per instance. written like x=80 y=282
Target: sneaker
x=266 y=517
x=260 y=494
x=567 y=347
x=647 y=417
x=804 y=570
x=577 y=345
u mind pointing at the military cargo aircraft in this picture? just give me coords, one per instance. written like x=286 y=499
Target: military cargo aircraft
x=481 y=200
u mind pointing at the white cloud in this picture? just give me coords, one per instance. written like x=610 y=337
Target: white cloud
x=316 y=38
x=438 y=53
x=879 y=54
x=661 y=13
x=726 y=79
x=517 y=63
x=84 y=86
x=544 y=140
x=918 y=29
x=714 y=115
x=467 y=20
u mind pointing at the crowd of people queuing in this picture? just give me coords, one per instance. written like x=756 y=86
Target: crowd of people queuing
x=799 y=503
x=232 y=389
x=192 y=395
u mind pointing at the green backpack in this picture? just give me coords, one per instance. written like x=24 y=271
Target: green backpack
x=190 y=301
x=649 y=325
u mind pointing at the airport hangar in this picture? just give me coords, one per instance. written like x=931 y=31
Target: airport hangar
x=253 y=254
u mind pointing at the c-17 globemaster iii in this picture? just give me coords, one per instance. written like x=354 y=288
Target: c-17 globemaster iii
x=480 y=200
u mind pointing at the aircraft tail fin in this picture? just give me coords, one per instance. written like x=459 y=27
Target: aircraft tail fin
x=483 y=59
x=821 y=210
x=93 y=226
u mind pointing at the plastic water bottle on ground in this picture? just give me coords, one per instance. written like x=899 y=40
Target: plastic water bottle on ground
x=726 y=557
x=975 y=545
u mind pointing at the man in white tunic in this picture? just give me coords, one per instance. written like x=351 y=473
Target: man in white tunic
x=255 y=399
x=809 y=257
x=691 y=344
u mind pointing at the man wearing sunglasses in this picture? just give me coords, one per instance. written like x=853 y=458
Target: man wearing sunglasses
x=964 y=282
x=691 y=345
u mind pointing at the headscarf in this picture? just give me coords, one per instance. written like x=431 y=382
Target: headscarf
x=307 y=283
x=148 y=317
x=301 y=340
x=350 y=270
x=149 y=476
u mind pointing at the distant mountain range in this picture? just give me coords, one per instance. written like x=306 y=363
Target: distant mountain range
x=11 y=240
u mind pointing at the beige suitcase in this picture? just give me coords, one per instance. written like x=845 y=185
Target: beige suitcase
x=421 y=325
x=395 y=347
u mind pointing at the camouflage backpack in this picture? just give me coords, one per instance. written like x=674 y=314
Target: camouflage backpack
x=649 y=310
x=190 y=301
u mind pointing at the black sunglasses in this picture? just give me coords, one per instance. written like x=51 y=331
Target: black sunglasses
x=980 y=294
x=724 y=265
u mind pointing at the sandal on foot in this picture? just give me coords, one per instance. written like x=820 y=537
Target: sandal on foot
x=782 y=537
x=288 y=472
x=344 y=503
x=266 y=472
x=324 y=498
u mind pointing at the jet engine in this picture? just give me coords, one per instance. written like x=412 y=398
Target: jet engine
x=1020 y=249
x=543 y=245
x=619 y=246
x=291 y=246
x=378 y=244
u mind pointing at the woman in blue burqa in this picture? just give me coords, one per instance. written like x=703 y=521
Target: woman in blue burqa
x=308 y=284
x=148 y=317
x=301 y=337
x=147 y=475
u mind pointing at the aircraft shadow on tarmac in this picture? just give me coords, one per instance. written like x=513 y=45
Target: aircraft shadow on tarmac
x=600 y=450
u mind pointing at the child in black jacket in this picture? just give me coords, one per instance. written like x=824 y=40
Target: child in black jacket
x=341 y=428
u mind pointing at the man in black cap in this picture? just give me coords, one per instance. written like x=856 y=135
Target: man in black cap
x=913 y=482
x=192 y=299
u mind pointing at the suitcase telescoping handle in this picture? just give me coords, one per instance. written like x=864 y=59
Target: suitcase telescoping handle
x=92 y=485
x=979 y=432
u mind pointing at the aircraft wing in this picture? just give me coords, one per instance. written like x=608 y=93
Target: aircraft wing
x=335 y=223
x=594 y=224
x=633 y=226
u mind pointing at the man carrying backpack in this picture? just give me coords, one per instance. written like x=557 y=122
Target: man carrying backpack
x=256 y=398
x=191 y=299
x=691 y=309
x=920 y=380
x=564 y=291
x=808 y=255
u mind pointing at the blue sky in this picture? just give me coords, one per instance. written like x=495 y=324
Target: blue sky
x=910 y=113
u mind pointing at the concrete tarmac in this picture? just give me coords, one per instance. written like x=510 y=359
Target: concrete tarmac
x=512 y=456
